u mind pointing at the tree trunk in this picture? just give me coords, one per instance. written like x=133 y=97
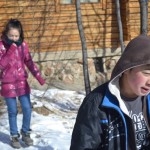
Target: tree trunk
x=119 y=24
x=144 y=16
x=84 y=48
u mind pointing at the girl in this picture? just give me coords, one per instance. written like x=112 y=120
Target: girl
x=14 y=55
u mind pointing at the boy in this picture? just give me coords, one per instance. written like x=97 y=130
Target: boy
x=116 y=115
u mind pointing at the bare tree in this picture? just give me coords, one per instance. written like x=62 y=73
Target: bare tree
x=84 y=48
x=144 y=16
x=117 y=2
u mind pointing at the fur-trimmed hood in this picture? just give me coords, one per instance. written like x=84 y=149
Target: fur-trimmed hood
x=135 y=54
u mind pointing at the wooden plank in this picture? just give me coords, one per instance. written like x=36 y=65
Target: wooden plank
x=134 y=4
x=51 y=19
x=70 y=26
x=53 y=15
x=55 y=37
x=72 y=39
x=48 y=7
x=70 y=47
x=89 y=6
x=134 y=10
x=24 y=3
x=61 y=42
x=54 y=29
x=61 y=26
x=29 y=18
x=67 y=32
x=133 y=16
x=41 y=9
x=39 y=20
x=70 y=43
x=36 y=32
x=11 y=6
x=91 y=37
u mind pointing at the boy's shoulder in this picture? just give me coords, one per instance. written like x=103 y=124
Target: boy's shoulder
x=101 y=88
x=97 y=94
x=92 y=102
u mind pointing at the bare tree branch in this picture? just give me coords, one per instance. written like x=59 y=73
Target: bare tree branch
x=144 y=16
x=119 y=24
x=84 y=48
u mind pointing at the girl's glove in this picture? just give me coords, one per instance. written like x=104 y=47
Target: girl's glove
x=41 y=80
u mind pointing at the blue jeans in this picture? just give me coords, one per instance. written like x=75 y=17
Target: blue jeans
x=13 y=111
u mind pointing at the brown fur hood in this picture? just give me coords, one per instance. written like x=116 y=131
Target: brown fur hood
x=135 y=54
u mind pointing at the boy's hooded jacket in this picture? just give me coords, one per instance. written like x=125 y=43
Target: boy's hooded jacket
x=103 y=122
x=13 y=75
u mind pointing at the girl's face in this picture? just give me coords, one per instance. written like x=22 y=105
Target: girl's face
x=136 y=82
x=13 y=34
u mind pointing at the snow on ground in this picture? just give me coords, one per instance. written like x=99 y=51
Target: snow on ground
x=52 y=132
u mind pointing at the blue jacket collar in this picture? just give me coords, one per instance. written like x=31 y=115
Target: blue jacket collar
x=111 y=101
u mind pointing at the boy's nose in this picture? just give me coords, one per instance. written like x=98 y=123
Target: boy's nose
x=148 y=82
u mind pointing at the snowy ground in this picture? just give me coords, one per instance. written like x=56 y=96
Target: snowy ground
x=52 y=132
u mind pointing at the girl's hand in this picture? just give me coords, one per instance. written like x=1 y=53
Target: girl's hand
x=41 y=81
x=14 y=44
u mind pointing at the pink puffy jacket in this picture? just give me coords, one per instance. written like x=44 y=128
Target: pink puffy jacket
x=13 y=75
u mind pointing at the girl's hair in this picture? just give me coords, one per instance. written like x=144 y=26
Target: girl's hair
x=13 y=23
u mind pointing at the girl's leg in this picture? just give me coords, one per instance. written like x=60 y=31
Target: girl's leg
x=12 y=115
x=26 y=110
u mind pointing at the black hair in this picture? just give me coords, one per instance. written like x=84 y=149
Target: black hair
x=13 y=23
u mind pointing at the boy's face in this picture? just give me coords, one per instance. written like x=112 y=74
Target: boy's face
x=137 y=81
